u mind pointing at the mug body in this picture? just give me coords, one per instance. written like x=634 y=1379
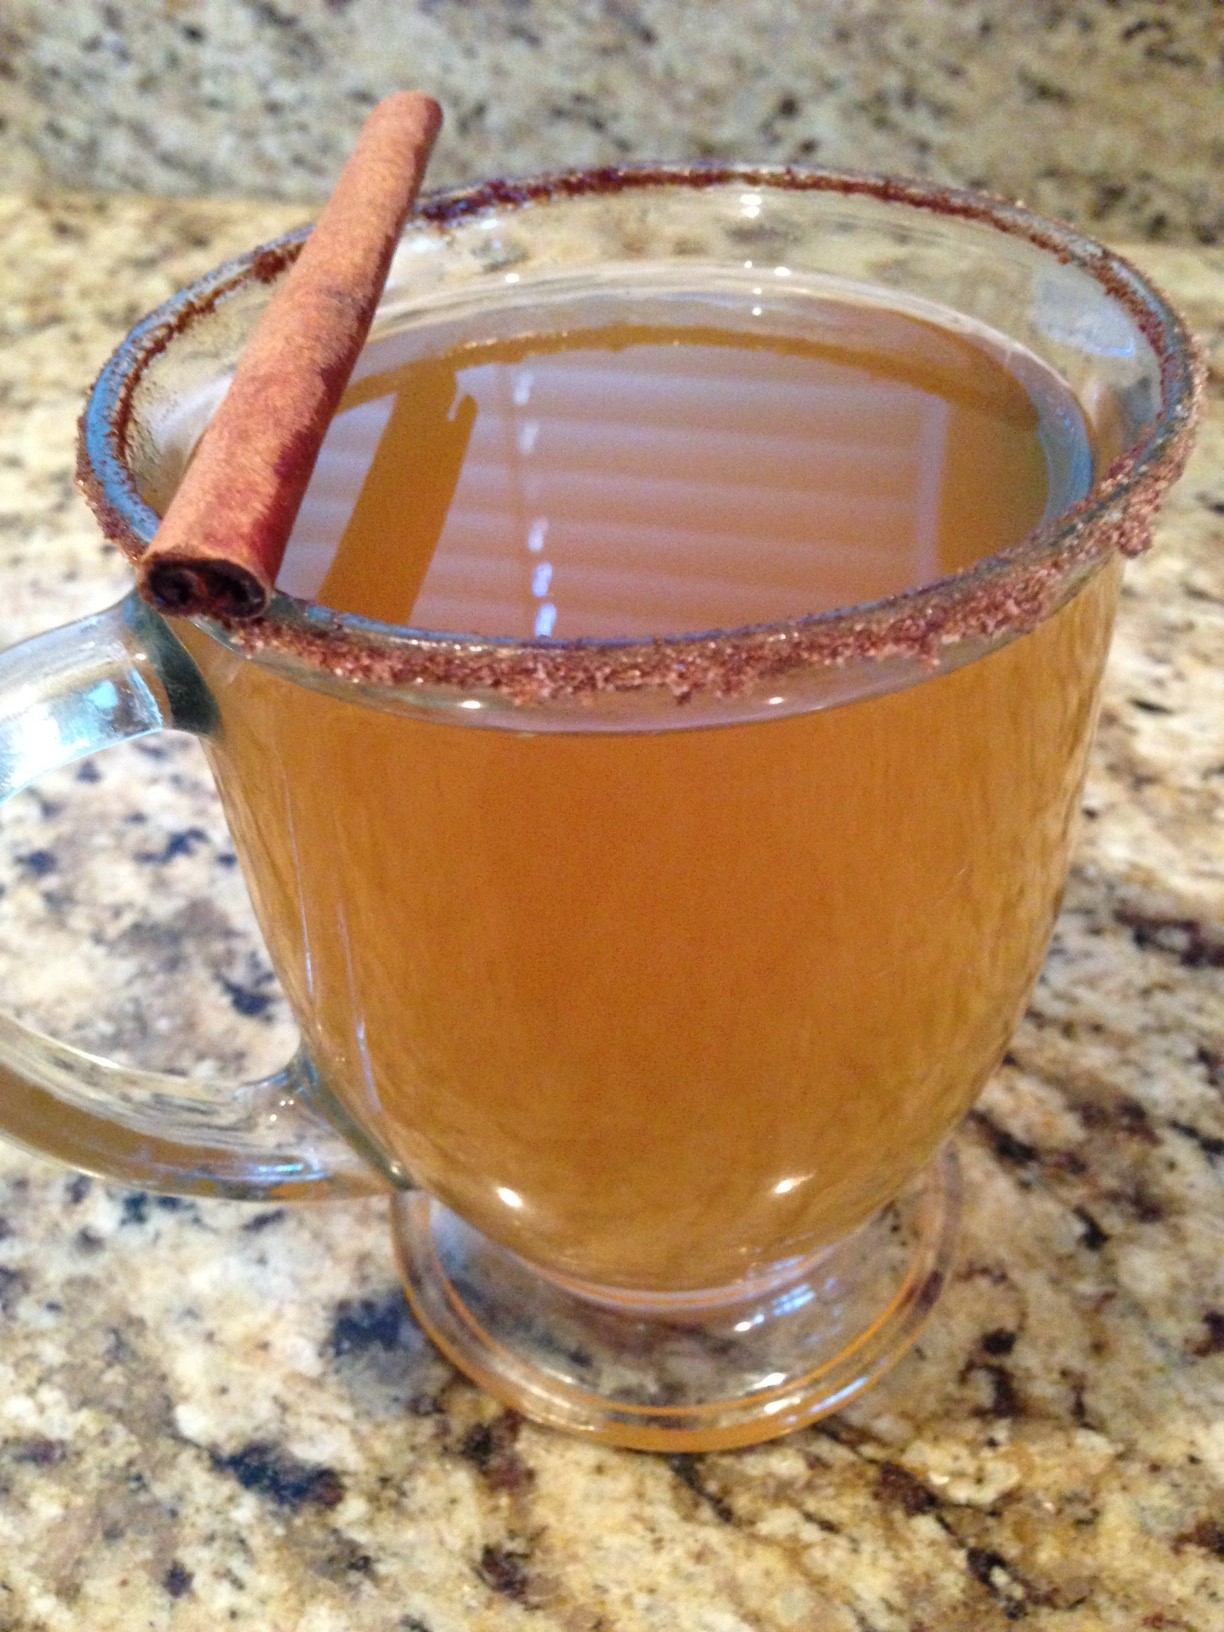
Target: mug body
x=661 y=966
x=658 y=1009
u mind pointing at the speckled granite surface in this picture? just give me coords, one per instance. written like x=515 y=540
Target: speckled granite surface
x=1107 y=113
x=213 y=1415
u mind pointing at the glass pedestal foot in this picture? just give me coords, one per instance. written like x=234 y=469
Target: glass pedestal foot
x=685 y=1371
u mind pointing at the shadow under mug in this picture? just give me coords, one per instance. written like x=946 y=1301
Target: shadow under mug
x=647 y=978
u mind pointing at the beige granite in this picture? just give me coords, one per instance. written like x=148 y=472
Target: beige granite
x=1109 y=113
x=214 y=1415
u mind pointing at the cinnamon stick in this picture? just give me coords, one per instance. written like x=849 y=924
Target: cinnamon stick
x=220 y=544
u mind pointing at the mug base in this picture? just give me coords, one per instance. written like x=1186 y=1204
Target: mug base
x=698 y=1371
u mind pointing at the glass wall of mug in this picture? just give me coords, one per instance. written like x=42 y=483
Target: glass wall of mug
x=663 y=969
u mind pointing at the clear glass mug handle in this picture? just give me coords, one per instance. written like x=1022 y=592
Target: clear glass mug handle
x=63 y=695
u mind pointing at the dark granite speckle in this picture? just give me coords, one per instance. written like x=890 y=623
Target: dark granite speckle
x=284 y=1479
x=491 y=1448
x=505 y=1572
x=177 y=1580
x=371 y=1323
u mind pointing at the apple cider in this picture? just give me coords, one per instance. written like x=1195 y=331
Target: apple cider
x=661 y=1007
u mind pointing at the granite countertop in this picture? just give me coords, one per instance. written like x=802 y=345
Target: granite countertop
x=1099 y=112
x=215 y=1415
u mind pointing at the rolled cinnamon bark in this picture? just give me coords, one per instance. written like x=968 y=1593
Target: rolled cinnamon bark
x=220 y=544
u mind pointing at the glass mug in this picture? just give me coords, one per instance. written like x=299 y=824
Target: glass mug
x=648 y=978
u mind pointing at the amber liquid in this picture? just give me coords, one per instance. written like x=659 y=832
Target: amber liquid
x=660 y=1007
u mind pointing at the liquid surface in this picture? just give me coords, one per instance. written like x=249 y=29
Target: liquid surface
x=629 y=479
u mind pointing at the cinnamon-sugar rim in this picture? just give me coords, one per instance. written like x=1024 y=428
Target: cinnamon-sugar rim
x=1005 y=594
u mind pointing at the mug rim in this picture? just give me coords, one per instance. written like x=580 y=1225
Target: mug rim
x=946 y=620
